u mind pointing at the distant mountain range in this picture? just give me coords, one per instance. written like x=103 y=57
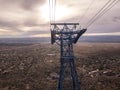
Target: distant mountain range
x=110 y=39
x=107 y=39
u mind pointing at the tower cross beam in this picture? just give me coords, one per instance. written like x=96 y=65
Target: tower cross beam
x=64 y=23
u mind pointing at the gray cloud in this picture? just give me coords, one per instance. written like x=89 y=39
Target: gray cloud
x=33 y=22
x=23 y=16
x=116 y=19
x=34 y=32
x=14 y=14
x=7 y=23
x=30 y=22
x=31 y=4
x=23 y=4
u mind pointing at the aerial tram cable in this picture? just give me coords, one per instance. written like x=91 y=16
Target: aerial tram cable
x=102 y=11
x=66 y=36
x=99 y=11
x=52 y=6
x=50 y=13
x=82 y=17
x=54 y=10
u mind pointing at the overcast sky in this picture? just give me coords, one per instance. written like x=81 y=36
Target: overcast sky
x=30 y=18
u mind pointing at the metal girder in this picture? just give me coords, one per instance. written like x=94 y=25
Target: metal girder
x=64 y=23
x=79 y=34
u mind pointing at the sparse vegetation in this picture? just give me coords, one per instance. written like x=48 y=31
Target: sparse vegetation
x=30 y=67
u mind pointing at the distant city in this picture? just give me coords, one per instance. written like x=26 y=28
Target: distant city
x=104 y=39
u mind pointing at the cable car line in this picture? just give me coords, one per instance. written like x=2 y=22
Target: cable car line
x=102 y=11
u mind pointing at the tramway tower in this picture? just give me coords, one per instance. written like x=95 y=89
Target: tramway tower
x=67 y=34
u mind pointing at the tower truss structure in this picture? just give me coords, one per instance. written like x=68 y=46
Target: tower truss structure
x=67 y=34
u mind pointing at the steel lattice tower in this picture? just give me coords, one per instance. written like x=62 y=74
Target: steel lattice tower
x=65 y=34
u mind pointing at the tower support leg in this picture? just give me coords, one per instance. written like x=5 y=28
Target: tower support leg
x=68 y=79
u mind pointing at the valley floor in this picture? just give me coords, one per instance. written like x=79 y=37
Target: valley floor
x=32 y=67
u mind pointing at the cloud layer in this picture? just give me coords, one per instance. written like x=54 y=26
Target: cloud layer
x=23 y=18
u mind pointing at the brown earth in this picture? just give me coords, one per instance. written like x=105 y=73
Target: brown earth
x=32 y=67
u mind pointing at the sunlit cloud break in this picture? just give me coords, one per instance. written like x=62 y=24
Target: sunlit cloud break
x=40 y=35
x=103 y=34
x=88 y=34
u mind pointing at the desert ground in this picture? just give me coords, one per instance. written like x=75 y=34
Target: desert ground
x=36 y=66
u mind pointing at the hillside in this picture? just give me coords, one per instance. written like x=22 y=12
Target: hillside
x=36 y=66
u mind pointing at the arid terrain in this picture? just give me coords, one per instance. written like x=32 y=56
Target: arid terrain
x=36 y=66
